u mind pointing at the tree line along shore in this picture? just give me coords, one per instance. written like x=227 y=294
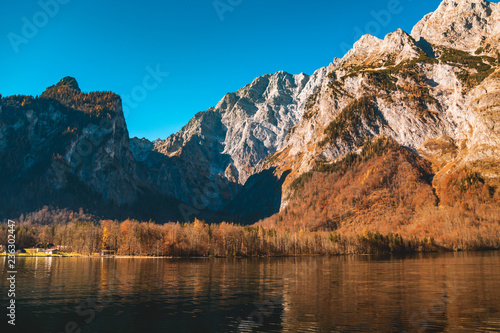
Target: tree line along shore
x=80 y=234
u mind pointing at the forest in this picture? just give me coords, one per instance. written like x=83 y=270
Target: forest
x=389 y=189
x=82 y=234
x=199 y=239
x=385 y=199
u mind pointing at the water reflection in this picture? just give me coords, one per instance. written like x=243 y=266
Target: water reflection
x=454 y=292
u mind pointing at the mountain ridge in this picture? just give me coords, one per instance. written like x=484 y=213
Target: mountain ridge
x=433 y=92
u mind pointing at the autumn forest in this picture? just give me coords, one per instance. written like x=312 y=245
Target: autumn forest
x=383 y=200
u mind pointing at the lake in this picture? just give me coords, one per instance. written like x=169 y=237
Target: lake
x=450 y=292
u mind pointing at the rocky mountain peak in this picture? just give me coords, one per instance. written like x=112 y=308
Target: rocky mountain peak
x=365 y=43
x=69 y=82
x=221 y=146
x=398 y=40
x=461 y=24
x=372 y=51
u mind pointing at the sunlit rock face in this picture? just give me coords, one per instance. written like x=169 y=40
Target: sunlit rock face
x=435 y=91
x=466 y=25
x=217 y=151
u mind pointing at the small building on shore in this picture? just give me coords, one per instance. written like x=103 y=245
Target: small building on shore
x=51 y=251
x=107 y=252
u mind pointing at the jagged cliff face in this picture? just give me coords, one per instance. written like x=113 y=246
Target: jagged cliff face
x=67 y=149
x=436 y=100
x=66 y=136
x=468 y=25
x=216 y=152
x=249 y=124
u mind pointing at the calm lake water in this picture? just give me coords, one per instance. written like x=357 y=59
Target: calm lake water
x=453 y=292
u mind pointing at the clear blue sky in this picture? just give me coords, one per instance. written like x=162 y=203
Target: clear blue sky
x=107 y=45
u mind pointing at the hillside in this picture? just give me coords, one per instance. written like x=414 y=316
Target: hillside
x=388 y=189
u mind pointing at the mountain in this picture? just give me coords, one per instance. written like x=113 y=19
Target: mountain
x=328 y=150
x=217 y=151
x=70 y=149
x=439 y=102
x=427 y=90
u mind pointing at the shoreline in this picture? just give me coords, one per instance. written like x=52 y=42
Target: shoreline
x=96 y=256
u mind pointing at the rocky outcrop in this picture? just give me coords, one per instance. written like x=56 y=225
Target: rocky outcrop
x=69 y=149
x=371 y=51
x=216 y=152
x=468 y=25
x=251 y=123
